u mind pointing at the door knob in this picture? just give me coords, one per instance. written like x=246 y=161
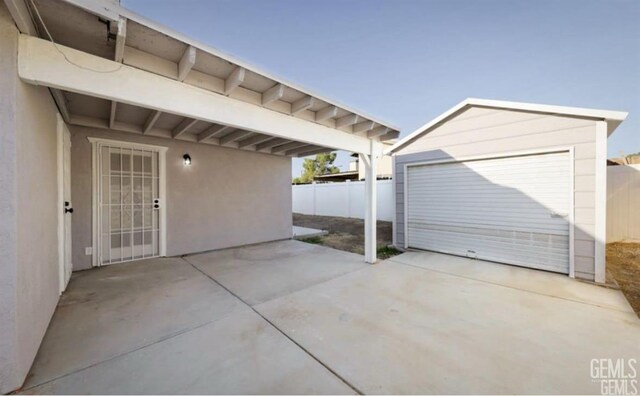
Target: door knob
x=68 y=210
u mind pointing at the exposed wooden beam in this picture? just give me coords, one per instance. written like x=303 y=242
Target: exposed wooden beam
x=272 y=94
x=363 y=126
x=302 y=104
x=213 y=131
x=313 y=152
x=271 y=143
x=61 y=102
x=121 y=38
x=183 y=127
x=151 y=120
x=103 y=124
x=347 y=120
x=390 y=135
x=233 y=136
x=112 y=114
x=42 y=64
x=186 y=62
x=378 y=131
x=234 y=80
x=283 y=148
x=253 y=140
x=326 y=113
x=300 y=149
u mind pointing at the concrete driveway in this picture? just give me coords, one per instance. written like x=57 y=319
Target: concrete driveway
x=290 y=317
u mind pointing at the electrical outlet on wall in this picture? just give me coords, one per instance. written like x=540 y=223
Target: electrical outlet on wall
x=88 y=251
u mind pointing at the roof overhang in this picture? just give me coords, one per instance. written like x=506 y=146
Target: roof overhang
x=613 y=118
x=137 y=74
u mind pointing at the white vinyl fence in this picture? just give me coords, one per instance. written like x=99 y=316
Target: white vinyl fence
x=341 y=199
x=623 y=203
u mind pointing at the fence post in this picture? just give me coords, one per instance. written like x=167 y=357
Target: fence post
x=313 y=192
x=348 y=198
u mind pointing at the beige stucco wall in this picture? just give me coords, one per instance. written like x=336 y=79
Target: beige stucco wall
x=29 y=270
x=8 y=204
x=484 y=131
x=227 y=197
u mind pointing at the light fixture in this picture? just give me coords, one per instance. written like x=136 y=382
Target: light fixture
x=187 y=159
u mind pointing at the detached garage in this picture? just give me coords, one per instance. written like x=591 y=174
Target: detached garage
x=513 y=183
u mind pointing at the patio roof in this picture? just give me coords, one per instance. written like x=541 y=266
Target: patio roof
x=103 y=30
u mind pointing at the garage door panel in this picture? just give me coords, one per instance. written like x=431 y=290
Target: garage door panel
x=530 y=254
x=511 y=210
x=560 y=230
x=461 y=174
x=555 y=244
x=491 y=225
x=504 y=218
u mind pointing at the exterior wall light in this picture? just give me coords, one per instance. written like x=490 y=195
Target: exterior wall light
x=187 y=159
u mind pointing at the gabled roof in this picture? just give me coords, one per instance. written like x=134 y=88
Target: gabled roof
x=613 y=118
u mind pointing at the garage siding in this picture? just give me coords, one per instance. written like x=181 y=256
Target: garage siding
x=486 y=131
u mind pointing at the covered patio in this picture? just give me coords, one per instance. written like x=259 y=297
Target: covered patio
x=150 y=81
x=124 y=141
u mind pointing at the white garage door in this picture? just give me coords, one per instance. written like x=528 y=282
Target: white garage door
x=511 y=210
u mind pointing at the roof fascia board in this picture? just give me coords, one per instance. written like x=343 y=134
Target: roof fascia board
x=41 y=63
x=101 y=8
x=613 y=118
x=541 y=108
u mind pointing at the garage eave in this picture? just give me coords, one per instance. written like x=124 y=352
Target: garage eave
x=613 y=118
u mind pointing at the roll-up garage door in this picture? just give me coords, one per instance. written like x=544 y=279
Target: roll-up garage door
x=512 y=210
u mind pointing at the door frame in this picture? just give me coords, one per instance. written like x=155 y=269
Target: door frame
x=96 y=144
x=61 y=127
x=549 y=150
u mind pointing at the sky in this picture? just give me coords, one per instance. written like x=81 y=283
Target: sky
x=408 y=61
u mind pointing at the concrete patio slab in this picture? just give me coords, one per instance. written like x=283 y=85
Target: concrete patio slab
x=116 y=309
x=305 y=232
x=238 y=354
x=396 y=328
x=262 y=272
x=547 y=283
x=325 y=322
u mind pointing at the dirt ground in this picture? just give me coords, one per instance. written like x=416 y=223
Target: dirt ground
x=623 y=264
x=346 y=234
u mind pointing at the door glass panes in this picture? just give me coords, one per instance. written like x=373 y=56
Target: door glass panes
x=129 y=223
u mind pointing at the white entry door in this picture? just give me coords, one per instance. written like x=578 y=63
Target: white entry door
x=66 y=206
x=130 y=201
x=514 y=210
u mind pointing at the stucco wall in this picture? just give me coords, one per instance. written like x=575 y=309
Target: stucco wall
x=8 y=203
x=31 y=263
x=484 y=131
x=227 y=197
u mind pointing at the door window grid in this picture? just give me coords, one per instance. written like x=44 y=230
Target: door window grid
x=129 y=221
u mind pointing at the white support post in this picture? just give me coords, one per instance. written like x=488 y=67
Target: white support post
x=370 y=216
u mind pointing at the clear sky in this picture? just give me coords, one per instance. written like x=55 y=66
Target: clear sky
x=407 y=61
